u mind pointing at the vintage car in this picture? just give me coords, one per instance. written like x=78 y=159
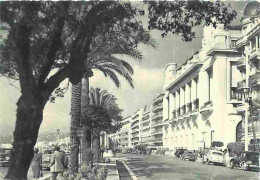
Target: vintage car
x=188 y=155
x=179 y=152
x=213 y=156
x=5 y=156
x=46 y=159
x=246 y=160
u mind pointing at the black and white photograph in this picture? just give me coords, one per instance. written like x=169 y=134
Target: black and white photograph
x=130 y=90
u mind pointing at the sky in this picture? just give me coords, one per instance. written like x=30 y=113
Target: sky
x=148 y=81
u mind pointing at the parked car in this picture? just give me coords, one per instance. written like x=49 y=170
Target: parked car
x=246 y=160
x=5 y=156
x=179 y=152
x=46 y=159
x=213 y=156
x=188 y=155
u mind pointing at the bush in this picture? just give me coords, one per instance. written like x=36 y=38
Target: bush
x=235 y=148
x=101 y=173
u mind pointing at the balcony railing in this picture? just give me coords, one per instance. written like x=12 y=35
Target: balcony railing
x=157 y=122
x=155 y=115
x=254 y=79
x=157 y=131
x=156 y=139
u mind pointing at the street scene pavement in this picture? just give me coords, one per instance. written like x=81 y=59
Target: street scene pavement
x=3 y=172
x=168 y=168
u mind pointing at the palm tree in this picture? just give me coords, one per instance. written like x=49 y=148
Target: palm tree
x=100 y=99
x=75 y=122
x=106 y=45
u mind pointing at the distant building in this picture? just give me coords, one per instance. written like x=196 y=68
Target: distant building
x=136 y=127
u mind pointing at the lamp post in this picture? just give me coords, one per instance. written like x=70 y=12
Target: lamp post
x=246 y=99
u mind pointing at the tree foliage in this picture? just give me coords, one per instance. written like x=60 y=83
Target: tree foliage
x=103 y=114
x=180 y=17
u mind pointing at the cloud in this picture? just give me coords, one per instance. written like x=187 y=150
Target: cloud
x=148 y=83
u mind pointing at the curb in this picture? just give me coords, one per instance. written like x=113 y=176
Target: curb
x=132 y=174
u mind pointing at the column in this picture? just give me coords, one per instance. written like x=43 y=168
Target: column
x=256 y=43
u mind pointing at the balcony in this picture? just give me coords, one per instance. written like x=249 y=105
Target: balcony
x=135 y=130
x=157 y=123
x=157 y=115
x=158 y=139
x=207 y=108
x=158 y=107
x=241 y=64
x=254 y=80
x=157 y=131
x=241 y=84
x=254 y=55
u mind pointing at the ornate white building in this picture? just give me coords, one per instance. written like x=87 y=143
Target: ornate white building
x=201 y=95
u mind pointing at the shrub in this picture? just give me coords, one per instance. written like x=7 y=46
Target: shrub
x=101 y=173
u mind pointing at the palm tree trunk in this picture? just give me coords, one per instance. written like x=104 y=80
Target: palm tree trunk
x=75 y=123
x=96 y=147
x=86 y=140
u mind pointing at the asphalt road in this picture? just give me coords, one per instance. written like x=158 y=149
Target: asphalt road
x=169 y=168
x=3 y=172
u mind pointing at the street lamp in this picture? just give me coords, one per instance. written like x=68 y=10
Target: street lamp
x=247 y=100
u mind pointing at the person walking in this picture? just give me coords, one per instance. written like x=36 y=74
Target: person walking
x=36 y=164
x=58 y=162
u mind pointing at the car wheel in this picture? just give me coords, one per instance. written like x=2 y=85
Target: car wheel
x=243 y=166
x=208 y=162
x=231 y=164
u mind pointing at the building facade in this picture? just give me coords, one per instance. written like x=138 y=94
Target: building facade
x=136 y=130
x=249 y=66
x=201 y=95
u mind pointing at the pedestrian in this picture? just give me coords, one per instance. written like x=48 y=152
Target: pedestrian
x=36 y=164
x=102 y=151
x=58 y=162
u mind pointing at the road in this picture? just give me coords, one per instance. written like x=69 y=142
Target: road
x=3 y=172
x=169 y=168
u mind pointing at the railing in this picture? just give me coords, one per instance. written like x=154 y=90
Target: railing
x=155 y=115
x=255 y=78
x=157 y=131
x=156 y=139
x=157 y=122
x=159 y=105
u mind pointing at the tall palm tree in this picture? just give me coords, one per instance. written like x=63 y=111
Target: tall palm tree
x=75 y=122
x=101 y=99
x=102 y=58
x=106 y=45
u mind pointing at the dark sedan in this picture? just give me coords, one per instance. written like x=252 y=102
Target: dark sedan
x=4 y=156
x=188 y=155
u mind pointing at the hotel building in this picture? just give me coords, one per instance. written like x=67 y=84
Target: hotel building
x=201 y=96
x=249 y=66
